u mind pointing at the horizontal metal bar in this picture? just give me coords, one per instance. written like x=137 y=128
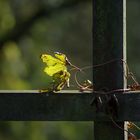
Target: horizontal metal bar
x=38 y=91
x=73 y=106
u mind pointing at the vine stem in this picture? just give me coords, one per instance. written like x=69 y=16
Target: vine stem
x=128 y=74
x=122 y=128
x=135 y=126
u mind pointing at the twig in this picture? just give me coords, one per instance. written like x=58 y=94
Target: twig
x=122 y=128
x=128 y=74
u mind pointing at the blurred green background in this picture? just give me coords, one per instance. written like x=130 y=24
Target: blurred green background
x=30 y=28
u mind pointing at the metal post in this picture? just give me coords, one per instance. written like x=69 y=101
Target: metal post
x=109 y=48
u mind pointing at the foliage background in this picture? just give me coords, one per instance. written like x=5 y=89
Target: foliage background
x=30 y=28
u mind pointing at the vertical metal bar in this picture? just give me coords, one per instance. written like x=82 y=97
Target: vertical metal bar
x=124 y=57
x=109 y=48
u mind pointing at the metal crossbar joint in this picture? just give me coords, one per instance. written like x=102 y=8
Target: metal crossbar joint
x=107 y=104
